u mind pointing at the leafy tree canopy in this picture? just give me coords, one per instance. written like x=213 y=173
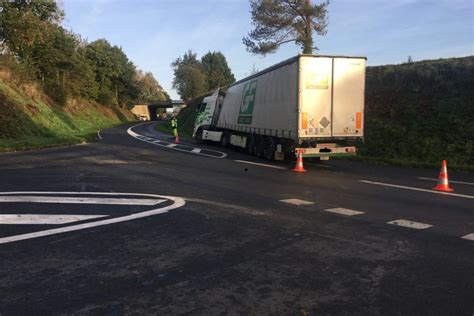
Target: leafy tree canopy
x=217 y=71
x=278 y=22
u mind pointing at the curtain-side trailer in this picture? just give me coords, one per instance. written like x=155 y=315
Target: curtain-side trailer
x=309 y=102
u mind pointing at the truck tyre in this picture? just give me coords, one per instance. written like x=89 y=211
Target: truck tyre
x=260 y=146
x=251 y=145
x=225 y=139
x=269 y=149
x=199 y=136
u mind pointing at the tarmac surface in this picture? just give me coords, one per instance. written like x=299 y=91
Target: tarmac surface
x=132 y=224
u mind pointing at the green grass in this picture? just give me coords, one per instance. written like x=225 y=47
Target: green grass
x=31 y=122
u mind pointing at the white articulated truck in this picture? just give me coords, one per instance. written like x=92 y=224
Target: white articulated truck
x=310 y=103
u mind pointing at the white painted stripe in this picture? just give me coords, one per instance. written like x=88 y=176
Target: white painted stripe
x=297 y=202
x=171 y=145
x=469 y=237
x=409 y=224
x=178 y=202
x=343 y=211
x=317 y=165
x=259 y=164
x=182 y=147
x=42 y=219
x=98 y=134
x=417 y=189
x=451 y=181
x=196 y=150
x=77 y=200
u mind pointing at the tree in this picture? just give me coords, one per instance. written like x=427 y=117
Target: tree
x=278 y=22
x=115 y=74
x=149 y=88
x=217 y=71
x=189 y=79
x=26 y=24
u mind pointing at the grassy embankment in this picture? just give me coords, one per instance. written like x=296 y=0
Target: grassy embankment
x=416 y=114
x=29 y=119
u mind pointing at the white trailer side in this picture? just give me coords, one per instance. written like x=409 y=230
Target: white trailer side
x=265 y=104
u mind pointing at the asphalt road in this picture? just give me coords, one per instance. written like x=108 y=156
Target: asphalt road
x=197 y=229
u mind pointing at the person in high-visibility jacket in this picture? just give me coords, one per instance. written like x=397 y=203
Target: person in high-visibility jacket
x=174 y=127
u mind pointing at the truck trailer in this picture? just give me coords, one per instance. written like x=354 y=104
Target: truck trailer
x=311 y=104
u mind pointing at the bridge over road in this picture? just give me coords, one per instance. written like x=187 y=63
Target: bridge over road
x=150 y=111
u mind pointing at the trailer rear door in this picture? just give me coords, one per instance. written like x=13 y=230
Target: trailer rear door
x=315 y=85
x=348 y=97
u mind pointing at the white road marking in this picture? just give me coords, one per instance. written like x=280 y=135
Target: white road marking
x=469 y=237
x=317 y=165
x=196 y=150
x=417 y=189
x=178 y=202
x=77 y=200
x=43 y=219
x=98 y=134
x=409 y=224
x=171 y=145
x=297 y=202
x=182 y=147
x=450 y=181
x=343 y=211
x=259 y=164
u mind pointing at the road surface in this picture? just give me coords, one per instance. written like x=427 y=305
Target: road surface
x=132 y=224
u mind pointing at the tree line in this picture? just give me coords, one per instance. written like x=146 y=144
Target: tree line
x=194 y=77
x=65 y=65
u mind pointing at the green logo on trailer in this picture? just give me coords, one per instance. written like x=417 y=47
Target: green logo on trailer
x=247 y=103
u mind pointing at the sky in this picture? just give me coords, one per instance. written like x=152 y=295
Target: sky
x=153 y=33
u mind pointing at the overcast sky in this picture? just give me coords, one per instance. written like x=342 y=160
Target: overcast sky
x=153 y=33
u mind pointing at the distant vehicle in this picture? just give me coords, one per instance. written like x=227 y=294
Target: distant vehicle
x=310 y=103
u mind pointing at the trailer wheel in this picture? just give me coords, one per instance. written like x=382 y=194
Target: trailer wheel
x=269 y=149
x=251 y=145
x=260 y=146
x=225 y=139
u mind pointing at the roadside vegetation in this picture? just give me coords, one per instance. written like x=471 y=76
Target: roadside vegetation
x=419 y=113
x=57 y=88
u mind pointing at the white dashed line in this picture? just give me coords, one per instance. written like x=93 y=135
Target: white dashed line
x=259 y=164
x=297 y=202
x=43 y=219
x=469 y=237
x=409 y=224
x=196 y=150
x=343 y=211
x=417 y=189
x=450 y=181
x=182 y=147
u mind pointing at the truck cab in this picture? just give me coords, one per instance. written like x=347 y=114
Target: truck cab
x=208 y=112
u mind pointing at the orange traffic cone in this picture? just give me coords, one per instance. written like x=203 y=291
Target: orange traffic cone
x=443 y=184
x=299 y=162
x=176 y=139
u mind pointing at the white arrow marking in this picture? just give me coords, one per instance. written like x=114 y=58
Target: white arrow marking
x=43 y=219
x=78 y=200
x=177 y=202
